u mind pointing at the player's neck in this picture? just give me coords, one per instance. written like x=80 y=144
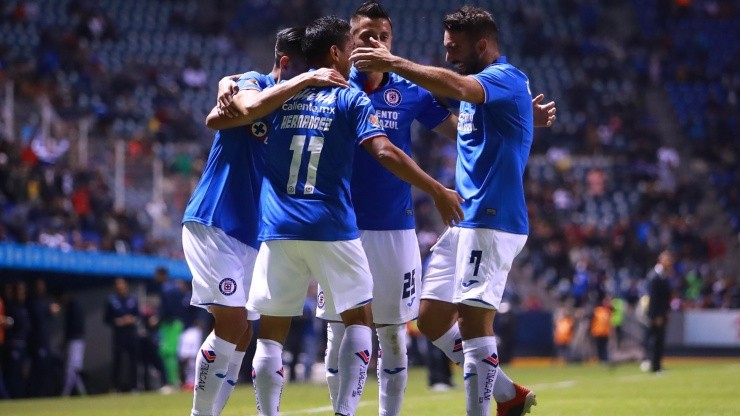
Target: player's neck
x=275 y=74
x=375 y=80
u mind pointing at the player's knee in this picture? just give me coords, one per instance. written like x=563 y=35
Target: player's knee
x=231 y=324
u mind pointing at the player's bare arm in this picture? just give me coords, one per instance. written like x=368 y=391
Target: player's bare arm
x=448 y=127
x=253 y=105
x=439 y=81
x=400 y=164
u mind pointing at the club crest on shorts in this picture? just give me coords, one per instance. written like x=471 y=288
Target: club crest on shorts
x=320 y=300
x=258 y=130
x=227 y=286
x=392 y=97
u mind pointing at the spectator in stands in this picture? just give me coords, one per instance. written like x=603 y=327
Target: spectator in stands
x=42 y=311
x=74 y=339
x=171 y=315
x=659 y=292
x=5 y=323
x=17 y=340
x=122 y=314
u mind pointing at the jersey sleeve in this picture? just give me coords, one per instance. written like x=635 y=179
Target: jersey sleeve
x=249 y=81
x=362 y=116
x=496 y=84
x=432 y=113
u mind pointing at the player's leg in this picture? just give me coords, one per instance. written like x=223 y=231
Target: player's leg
x=215 y=260
x=268 y=375
x=235 y=362
x=395 y=265
x=484 y=258
x=342 y=270
x=437 y=313
x=279 y=284
x=334 y=336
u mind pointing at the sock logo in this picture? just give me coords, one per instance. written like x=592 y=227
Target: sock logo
x=231 y=382
x=364 y=356
x=458 y=345
x=281 y=372
x=394 y=371
x=220 y=375
x=209 y=355
x=468 y=375
x=254 y=373
x=491 y=360
x=332 y=370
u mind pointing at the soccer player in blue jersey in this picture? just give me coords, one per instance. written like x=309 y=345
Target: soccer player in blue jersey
x=469 y=264
x=220 y=232
x=308 y=224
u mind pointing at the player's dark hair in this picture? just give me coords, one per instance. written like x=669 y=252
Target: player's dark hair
x=321 y=35
x=474 y=21
x=289 y=43
x=373 y=10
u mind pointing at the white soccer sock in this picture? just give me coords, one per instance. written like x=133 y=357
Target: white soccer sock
x=503 y=389
x=232 y=376
x=354 y=355
x=210 y=366
x=451 y=344
x=334 y=335
x=480 y=371
x=268 y=376
x=392 y=368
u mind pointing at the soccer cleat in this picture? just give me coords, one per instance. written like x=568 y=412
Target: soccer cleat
x=521 y=403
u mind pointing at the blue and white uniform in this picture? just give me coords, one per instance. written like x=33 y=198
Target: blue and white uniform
x=221 y=221
x=383 y=202
x=309 y=227
x=471 y=261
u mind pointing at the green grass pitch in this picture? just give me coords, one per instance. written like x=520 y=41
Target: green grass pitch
x=690 y=387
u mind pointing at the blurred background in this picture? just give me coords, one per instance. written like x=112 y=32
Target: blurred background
x=102 y=140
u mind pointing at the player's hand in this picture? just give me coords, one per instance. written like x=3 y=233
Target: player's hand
x=227 y=88
x=447 y=202
x=326 y=77
x=544 y=115
x=375 y=59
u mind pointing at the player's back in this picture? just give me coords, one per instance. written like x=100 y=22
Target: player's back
x=310 y=153
x=227 y=195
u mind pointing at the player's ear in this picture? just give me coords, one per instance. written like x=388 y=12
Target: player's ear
x=334 y=53
x=284 y=62
x=481 y=45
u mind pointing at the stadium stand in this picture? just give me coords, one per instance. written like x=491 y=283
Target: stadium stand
x=106 y=138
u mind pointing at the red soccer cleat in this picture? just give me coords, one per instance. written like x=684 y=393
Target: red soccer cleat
x=519 y=405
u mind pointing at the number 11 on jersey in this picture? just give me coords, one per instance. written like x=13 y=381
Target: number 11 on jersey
x=315 y=144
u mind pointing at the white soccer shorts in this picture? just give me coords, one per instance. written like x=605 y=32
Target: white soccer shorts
x=221 y=266
x=470 y=266
x=285 y=268
x=395 y=265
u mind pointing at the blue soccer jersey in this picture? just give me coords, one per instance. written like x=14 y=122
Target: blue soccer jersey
x=383 y=201
x=227 y=195
x=493 y=142
x=313 y=137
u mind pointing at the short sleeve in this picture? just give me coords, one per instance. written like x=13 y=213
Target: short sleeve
x=249 y=81
x=362 y=115
x=496 y=84
x=432 y=112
